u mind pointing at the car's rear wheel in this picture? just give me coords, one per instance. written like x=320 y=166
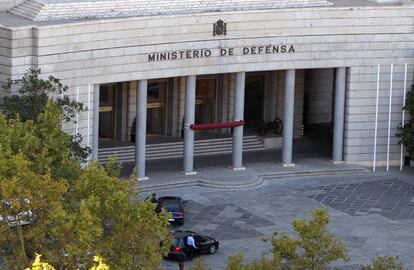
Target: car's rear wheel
x=212 y=249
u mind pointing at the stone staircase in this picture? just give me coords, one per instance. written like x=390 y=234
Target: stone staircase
x=28 y=9
x=175 y=149
x=45 y=10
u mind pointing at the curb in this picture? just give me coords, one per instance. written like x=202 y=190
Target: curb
x=312 y=173
x=256 y=182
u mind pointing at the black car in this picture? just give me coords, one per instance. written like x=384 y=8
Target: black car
x=173 y=205
x=204 y=244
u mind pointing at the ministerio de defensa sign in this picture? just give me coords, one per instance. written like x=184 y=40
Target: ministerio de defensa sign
x=206 y=53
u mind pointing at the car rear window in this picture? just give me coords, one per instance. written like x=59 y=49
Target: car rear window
x=177 y=242
x=172 y=207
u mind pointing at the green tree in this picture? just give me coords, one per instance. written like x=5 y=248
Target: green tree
x=44 y=144
x=27 y=191
x=406 y=134
x=75 y=213
x=128 y=235
x=30 y=101
x=314 y=249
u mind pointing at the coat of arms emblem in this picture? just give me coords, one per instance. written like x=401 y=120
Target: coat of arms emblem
x=219 y=28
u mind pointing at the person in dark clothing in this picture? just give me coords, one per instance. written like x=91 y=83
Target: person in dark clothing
x=190 y=247
x=181 y=259
x=152 y=197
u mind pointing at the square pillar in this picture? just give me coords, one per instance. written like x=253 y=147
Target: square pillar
x=339 y=115
x=141 y=129
x=189 y=118
x=238 y=115
x=288 y=116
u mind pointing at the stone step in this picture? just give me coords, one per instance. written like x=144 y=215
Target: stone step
x=21 y=13
x=175 y=149
x=28 y=9
x=156 y=148
x=196 y=143
x=161 y=155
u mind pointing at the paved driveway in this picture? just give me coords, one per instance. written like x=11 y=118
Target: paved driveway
x=373 y=213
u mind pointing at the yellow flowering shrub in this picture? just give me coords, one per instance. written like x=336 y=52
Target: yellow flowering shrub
x=39 y=265
x=100 y=265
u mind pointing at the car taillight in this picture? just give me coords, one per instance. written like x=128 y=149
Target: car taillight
x=176 y=249
x=180 y=213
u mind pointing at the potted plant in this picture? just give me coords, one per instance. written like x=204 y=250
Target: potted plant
x=406 y=134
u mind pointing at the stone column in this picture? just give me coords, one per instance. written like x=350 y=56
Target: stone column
x=189 y=115
x=288 y=116
x=238 y=115
x=181 y=101
x=95 y=124
x=141 y=129
x=338 y=132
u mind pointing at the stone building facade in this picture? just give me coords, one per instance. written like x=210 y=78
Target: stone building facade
x=206 y=62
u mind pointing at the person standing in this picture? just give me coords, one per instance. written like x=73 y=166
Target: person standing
x=152 y=198
x=181 y=259
x=191 y=246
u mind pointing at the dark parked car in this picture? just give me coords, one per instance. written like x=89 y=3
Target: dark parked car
x=173 y=205
x=204 y=244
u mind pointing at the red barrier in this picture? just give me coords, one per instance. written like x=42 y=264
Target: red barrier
x=217 y=125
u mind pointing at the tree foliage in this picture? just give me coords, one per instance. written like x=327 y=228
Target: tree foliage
x=43 y=144
x=406 y=133
x=30 y=102
x=313 y=249
x=75 y=212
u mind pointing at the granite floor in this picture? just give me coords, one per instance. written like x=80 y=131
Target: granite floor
x=373 y=213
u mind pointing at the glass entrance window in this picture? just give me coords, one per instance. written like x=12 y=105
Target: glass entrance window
x=156 y=107
x=253 y=100
x=106 y=110
x=205 y=98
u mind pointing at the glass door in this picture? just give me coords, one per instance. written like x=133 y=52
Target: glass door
x=156 y=107
x=205 y=100
x=106 y=110
x=253 y=100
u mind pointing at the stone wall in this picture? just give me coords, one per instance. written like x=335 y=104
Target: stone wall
x=360 y=112
x=319 y=87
